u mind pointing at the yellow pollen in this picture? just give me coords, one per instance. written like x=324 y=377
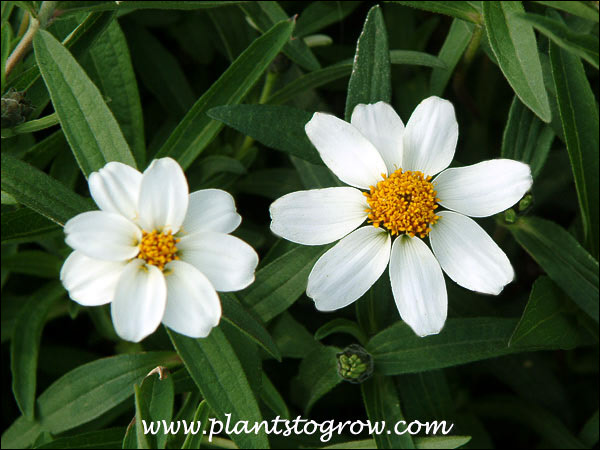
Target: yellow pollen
x=404 y=202
x=158 y=248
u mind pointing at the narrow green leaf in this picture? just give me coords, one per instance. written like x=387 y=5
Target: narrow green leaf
x=341 y=326
x=156 y=396
x=6 y=48
x=412 y=58
x=111 y=70
x=33 y=262
x=25 y=225
x=142 y=414
x=31 y=126
x=514 y=45
x=270 y=183
x=272 y=398
x=319 y=15
x=266 y=14
x=314 y=176
x=546 y=319
x=370 y=81
x=38 y=191
x=101 y=439
x=84 y=394
x=526 y=138
x=441 y=442
x=292 y=338
x=580 y=9
x=201 y=417
x=219 y=375
x=317 y=376
x=25 y=343
x=564 y=260
x=196 y=130
x=456 y=42
x=279 y=284
x=238 y=316
x=383 y=405
x=579 y=116
x=398 y=350
x=89 y=126
x=277 y=127
x=583 y=45
x=460 y=10
x=589 y=432
x=426 y=395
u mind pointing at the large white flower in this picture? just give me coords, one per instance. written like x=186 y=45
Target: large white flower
x=393 y=165
x=155 y=252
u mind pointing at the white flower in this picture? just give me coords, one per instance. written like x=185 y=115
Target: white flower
x=394 y=165
x=155 y=252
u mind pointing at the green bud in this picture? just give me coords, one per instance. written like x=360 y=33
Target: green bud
x=510 y=216
x=525 y=202
x=355 y=364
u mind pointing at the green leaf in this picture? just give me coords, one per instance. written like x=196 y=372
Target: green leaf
x=412 y=58
x=84 y=394
x=317 y=376
x=441 y=442
x=25 y=343
x=89 y=126
x=270 y=183
x=25 y=225
x=155 y=404
x=546 y=319
x=219 y=375
x=33 y=262
x=292 y=338
x=398 y=350
x=111 y=70
x=101 y=439
x=383 y=405
x=564 y=260
x=197 y=130
x=583 y=45
x=6 y=48
x=456 y=42
x=272 y=398
x=279 y=284
x=126 y=6
x=589 y=432
x=200 y=417
x=460 y=10
x=160 y=72
x=341 y=326
x=239 y=317
x=580 y=9
x=38 y=191
x=314 y=176
x=266 y=14
x=277 y=127
x=31 y=126
x=579 y=116
x=142 y=414
x=370 y=81
x=319 y=15
x=526 y=138
x=514 y=45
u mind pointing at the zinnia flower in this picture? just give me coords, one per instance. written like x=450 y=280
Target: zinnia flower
x=155 y=252
x=394 y=165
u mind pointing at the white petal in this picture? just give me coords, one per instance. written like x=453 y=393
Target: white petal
x=430 y=137
x=163 y=199
x=318 y=216
x=228 y=262
x=469 y=255
x=211 y=210
x=103 y=235
x=418 y=286
x=115 y=188
x=380 y=124
x=90 y=282
x=346 y=271
x=485 y=188
x=139 y=302
x=193 y=306
x=347 y=153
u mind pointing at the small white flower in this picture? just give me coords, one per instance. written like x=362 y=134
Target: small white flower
x=394 y=165
x=155 y=252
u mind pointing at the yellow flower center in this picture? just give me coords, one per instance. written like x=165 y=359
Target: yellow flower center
x=404 y=202
x=158 y=248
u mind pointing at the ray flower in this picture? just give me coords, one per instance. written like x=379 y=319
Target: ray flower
x=389 y=170
x=155 y=252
